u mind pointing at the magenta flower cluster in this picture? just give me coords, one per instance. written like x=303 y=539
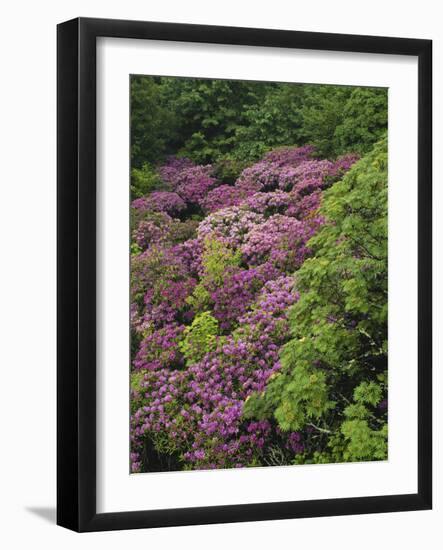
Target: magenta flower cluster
x=222 y=197
x=280 y=239
x=161 y=201
x=193 y=409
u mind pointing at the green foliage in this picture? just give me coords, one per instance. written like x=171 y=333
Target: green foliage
x=305 y=399
x=333 y=374
x=200 y=298
x=209 y=112
x=363 y=443
x=217 y=258
x=321 y=113
x=144 y=180
x=364 y=121
x=274 y=122
x=227 y=168
x=341 y=119
x=135 y=385
x=364 y=434
x=368 y=392
x=199 y=337
x=231 y=122
x=152 y=123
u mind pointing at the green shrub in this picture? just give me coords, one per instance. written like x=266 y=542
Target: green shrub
x=333 y=374
x=199 y=337
x=144 y=180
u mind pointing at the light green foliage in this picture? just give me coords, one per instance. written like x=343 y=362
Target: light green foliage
x=305 y=399
x=200 y=298
x=365 y=435
x=217 y=258
x=200 y=337
x=363 y=443
x=333 y=372
x=368 y=392
x=144 y=180
x=136 y=381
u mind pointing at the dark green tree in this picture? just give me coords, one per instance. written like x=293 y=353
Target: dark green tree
x=152 y=123
x=322 y=112
x=343 y=119
x=273 y=122
x=232 y=123
x=209 y=112
x=364 y=121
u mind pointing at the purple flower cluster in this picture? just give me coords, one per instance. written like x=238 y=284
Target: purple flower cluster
x=223 y=196
x=148 y=233
x=266 y=174
x=161 y=201
x=274 y=202
x=195 y=183
x=343 y=164
x=280 y=240
x=309 y=176
x=294 y=443
x=230 y=225
x=239 y=289
x=159 y=348
x=283 y=156
x=191 y=182
x=200 y=407
x=193 y=409
x=171 y=170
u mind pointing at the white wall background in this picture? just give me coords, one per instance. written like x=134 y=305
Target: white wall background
x=27 y=289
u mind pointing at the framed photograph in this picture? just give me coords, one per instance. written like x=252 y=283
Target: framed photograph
x=244 y=274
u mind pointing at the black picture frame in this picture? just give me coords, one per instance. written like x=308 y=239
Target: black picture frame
x=76 y=266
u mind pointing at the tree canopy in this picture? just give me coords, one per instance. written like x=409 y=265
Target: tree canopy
x=234 y=122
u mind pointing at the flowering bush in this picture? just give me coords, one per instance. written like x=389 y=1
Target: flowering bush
x=161 y=201
x=222 y=197
x=191 y=182
x=171 y=170
x=200 y=408
x=233 y=298
x=159 y=348
x=194 y=184
x=265 y=174
x=230 y=225
x=274 y=202
x=280 y=240
x=306 y=177
x=148 y=233
x=210 y=310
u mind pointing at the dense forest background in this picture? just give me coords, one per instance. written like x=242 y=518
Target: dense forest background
x=231 y=124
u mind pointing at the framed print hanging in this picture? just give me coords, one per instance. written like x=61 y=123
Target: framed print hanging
x=244 y=274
